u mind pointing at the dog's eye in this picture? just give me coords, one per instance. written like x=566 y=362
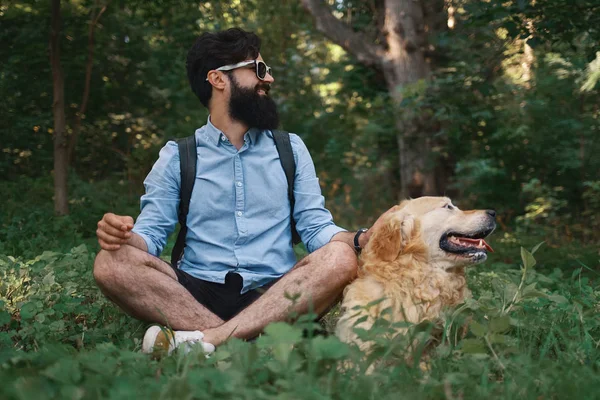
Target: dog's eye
x=449 y=206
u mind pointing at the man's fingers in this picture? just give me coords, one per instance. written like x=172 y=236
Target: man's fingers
x=128 y=222
x=108 y=247
x=113 y=231
x=124 y=223
x=109 y=239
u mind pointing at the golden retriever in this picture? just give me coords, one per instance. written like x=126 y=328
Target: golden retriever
x=415 y=262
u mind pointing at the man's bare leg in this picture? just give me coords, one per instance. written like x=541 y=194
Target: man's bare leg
x=319 y=278
x=146 y=288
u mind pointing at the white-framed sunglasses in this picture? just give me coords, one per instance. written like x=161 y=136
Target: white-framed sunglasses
x=261 y=68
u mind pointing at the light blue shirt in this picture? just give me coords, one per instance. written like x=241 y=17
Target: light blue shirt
x=239 y=217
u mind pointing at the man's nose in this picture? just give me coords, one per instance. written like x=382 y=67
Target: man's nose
x=269 y=78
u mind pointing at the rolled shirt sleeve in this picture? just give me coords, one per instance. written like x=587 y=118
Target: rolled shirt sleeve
x=314 y=222
x=159 y=205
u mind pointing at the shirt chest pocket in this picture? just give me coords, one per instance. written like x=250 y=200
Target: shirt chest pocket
x=267 y=196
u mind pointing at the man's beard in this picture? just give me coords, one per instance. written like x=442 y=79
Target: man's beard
x=251 y=108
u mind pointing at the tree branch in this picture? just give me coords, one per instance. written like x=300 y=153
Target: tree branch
x=340 y=33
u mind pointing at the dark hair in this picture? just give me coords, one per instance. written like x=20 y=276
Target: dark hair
x=213 y=50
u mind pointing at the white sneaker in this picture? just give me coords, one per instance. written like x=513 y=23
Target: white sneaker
x=159 y=340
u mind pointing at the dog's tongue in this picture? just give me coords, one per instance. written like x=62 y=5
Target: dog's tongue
x=478 y=242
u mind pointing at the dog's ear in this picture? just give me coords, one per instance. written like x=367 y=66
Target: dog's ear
x=388 y=242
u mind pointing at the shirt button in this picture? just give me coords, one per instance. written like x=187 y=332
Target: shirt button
x=239 y=213
x=223 y=138
x=239 y=184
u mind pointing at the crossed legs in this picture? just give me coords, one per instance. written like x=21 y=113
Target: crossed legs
x=147 y=288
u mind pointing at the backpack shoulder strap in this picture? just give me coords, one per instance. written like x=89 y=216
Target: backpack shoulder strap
x=187 y=162
x=286 y=157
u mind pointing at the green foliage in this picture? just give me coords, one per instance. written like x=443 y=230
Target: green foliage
x=27 y=231
x=522 y=334
x=53 y=298
x=591 y=214
x=513 y=105
x=512 y=109
x=139 y=95
x=513 y=98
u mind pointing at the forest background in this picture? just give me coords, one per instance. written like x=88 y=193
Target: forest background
x=495 y=104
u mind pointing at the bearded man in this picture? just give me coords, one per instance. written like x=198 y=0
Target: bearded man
x=238 y=262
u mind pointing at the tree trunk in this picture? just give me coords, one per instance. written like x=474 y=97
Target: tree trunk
x=61 y=199
x=528 y=57
x=403 y=63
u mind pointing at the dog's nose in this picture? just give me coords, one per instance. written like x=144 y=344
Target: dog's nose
x=491 y=213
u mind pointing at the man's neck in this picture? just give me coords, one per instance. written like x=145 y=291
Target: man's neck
x=234 y=130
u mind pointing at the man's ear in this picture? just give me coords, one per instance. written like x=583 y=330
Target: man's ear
x=216 y=79
x=391 y=238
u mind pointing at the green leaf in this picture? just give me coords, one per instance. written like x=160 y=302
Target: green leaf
x=360 y=320
x=536 y=247
x=527 y=257
x=496 y=338
x=500 y=324
x=374 y=303
x=329 y=348
x=509 y=291
x=533 y=293
x=28 y=310
x=4 y=317
x=473 y=346
x=557 y=298
x=64 y=371
x=282 y=332
x=478 y=329
x=530 y=291
x=281 y=338
x=49 y=279
x=543 y=279
x=57 y=326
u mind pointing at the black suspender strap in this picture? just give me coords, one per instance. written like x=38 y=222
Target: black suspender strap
x=286 y=156
x=187 y=162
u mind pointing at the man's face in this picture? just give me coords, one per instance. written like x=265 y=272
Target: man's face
x=249 y=100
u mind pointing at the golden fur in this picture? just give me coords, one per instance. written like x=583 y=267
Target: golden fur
x=404 y=265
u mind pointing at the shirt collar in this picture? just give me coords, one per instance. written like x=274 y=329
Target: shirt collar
x=214 y=134
x=251 y=135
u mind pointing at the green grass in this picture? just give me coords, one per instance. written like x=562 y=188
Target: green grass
x=522 y=335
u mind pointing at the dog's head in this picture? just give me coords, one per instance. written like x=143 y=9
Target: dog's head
x=434 y=229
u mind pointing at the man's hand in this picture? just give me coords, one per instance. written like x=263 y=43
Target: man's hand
x=113 y=231
x=364 y=238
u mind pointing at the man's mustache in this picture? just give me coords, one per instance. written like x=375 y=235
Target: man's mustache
x=264 y=86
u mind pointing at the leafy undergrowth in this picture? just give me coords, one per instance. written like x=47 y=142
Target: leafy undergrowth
x=27 y=231
x=523 y=334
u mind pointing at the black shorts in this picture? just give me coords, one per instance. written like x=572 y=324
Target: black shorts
x=223 y=299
